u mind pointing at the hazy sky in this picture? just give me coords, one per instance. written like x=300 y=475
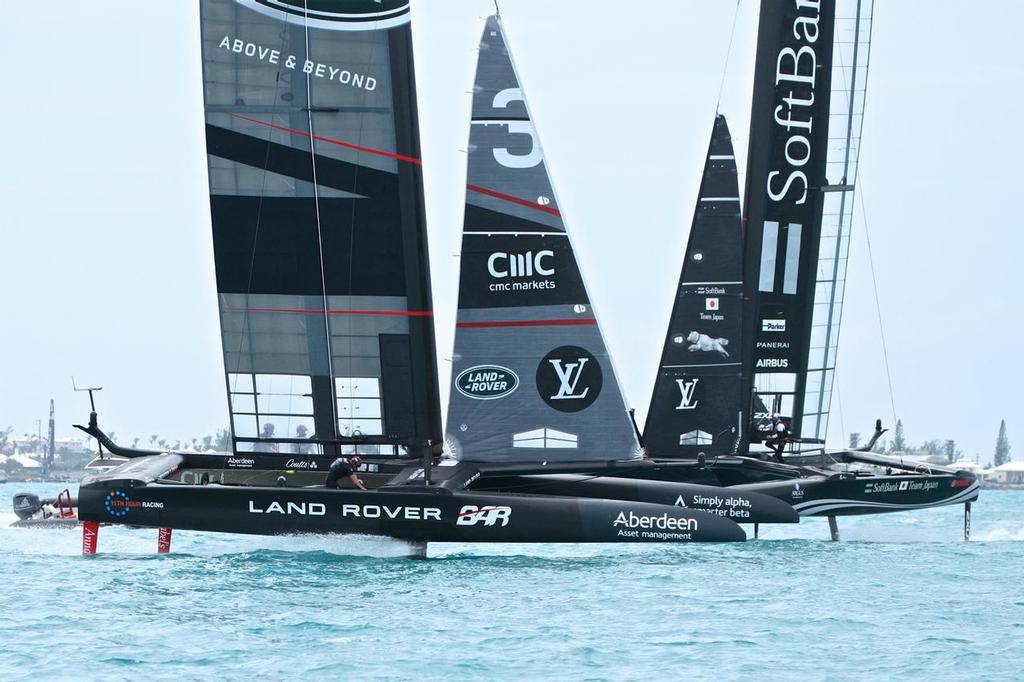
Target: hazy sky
x=107 y=260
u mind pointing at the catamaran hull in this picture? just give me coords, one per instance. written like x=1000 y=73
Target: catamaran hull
x=740 y=506
x=412 y=514
x=848 y=495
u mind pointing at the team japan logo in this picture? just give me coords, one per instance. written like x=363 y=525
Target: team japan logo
x=569 y=379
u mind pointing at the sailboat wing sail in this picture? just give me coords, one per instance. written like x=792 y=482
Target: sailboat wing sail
x=698 y=391
x=531 y=377
x=318 y=224
x=785 y=181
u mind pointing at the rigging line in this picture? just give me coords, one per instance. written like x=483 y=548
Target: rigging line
x=316 y=206
x=728 y=53
x=878 y=305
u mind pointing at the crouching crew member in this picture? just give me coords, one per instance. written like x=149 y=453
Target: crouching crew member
x=344 y=468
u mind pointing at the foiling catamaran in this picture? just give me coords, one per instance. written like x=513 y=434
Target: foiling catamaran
x=326 y=318
x=754 y=329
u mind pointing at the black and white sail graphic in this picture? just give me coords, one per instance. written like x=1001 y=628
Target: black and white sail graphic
x=805 y=130
x=531 y=377
x=698 y=394
x=318 y=224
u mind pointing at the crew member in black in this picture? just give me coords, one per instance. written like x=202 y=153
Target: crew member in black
x=777 y=438
x=344 y=468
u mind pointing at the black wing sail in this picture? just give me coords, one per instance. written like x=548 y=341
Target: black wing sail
x=698 y=392
x=785 y=177
x=318 y=224
x=531 y=376
x=806 y=118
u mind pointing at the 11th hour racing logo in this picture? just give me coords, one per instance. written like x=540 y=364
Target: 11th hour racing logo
x=569 y=379
x=118 y=504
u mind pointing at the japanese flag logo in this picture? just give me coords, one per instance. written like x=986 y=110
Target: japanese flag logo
x=711 y=304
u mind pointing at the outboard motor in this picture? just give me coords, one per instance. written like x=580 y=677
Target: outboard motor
x=26 y=505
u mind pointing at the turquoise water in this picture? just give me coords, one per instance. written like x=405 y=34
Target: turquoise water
x=900 y=597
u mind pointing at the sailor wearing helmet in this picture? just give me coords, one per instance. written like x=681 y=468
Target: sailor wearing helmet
x=344 y=468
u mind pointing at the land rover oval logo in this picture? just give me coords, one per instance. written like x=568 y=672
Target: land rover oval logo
x=486 y=382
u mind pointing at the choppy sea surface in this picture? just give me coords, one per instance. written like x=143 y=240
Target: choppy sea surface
x=900 y=597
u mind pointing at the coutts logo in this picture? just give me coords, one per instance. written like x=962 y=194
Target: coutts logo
x=486 y=382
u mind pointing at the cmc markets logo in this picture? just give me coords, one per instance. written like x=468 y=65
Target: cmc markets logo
x=471 y=515
x=486 y=382
x=503 y=264
x=569 y=379
x=117 y=504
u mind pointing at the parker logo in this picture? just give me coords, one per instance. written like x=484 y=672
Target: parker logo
x=502 y=264
x=687 y=389
x=569 y=379
x=773 y=325
x=471 y=515
x=486 y=382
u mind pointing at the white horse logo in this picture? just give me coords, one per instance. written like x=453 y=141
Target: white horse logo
x=705 y=343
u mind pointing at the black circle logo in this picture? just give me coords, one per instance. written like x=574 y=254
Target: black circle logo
x=569 y=379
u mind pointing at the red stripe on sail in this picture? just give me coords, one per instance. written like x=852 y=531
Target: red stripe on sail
x=321 y=311
x=399 y=157
x=515 y=200
x=527 y=323
x=331 y=140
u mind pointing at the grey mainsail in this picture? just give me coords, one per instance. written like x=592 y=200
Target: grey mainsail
x=318 y=225
x=531 y=376
x=698 y=392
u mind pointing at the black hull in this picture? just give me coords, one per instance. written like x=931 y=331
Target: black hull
x=739 y=505
x=848 y=495
x=819 y=492
x=412 y=513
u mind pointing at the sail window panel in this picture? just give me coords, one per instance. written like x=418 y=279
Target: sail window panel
x=350 y=428
x=240 y=383
x=284 y=404
x=283 y=384
x=357 y=387
x=813 y=385
x=244 y=426
x=809 y=424
x=243 y=403
x=362 y=408
x=775 y=383
x=818 y=333
x=286 y=426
